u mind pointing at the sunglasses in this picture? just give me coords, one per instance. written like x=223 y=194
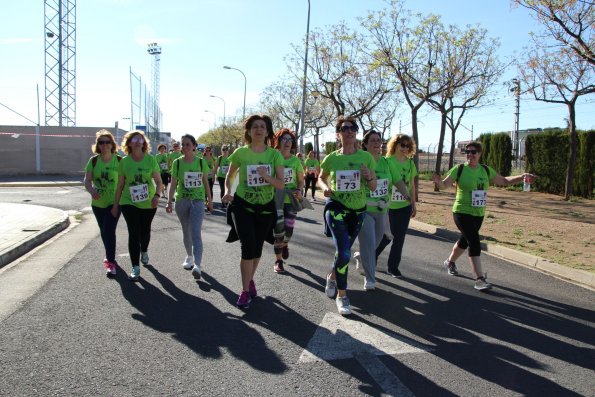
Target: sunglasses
x=286 y=139
x=472 y=152
x=225 y=150
x=405 y=145
x=347 y=128
x=104 y=142
x=137 y=139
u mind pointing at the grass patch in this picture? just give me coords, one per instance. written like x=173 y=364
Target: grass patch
x=518 y=232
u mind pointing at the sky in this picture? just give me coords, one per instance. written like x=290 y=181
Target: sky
x=199 y=37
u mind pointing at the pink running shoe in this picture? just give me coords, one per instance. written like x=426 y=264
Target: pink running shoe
x=252 y=289
x=110 y=268
x=244 y=300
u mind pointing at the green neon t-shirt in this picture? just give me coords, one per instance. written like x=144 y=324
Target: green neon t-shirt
x=162 y=160
x=189 y=178
x=251 y=186
x=223 y=165
x=401 y=171
x=139 y=186
x=472 y=189
x=211 y=163
x=172 y=156
x=105 y=180
x=292 y=168
x=311 y=165
x=348 y=186
x=383 y=187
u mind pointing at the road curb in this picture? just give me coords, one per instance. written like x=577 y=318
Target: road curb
x=40 y=184
x=10 y=254
x=577 y=276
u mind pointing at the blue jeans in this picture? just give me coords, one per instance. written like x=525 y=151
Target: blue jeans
x=344 y=226
x=399 y=223
x=191 y=214
x=107 y=227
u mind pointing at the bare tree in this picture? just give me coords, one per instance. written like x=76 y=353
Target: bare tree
x=557 y=77
x=281 y=100
x=570 y=23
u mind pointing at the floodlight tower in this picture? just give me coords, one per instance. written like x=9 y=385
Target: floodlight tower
x=60 y=62
x=155 y=51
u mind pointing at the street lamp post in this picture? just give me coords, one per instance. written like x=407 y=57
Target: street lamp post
x=302 y=127
x=214 y=118
x=245 y=83
x=223 y=100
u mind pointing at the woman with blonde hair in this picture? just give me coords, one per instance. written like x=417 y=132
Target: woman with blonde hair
x=101 y=180
x=401 y=208
x=139 y=180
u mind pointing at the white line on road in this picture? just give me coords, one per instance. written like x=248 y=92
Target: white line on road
x=388 y=381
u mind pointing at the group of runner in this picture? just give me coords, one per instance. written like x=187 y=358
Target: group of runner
x=369 y=195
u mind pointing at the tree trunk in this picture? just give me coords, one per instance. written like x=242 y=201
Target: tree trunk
x=452 y=148
x=416 y=157
x=438 y=167
x=572 y=154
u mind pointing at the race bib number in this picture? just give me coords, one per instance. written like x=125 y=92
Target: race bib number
x=192 y=180
x=312 y=170
x=139 y=192
x=224 y=169
x=253 y=177
x=163 y=166
x=479 y=198
x=288 y=175
x=347 y=181
x=396 y=195
x=381 y=189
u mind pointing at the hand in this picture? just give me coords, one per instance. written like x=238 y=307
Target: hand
x=115 y=210
x=95 y=194
x=437 y=179
x=413 y=211
x=155 y=202
x=168 y=208
x=210 y=206
x=262 y=171
x=298 y=195
x=228 y=198
x=327 y=192
x=365 y=172
x=530 y=177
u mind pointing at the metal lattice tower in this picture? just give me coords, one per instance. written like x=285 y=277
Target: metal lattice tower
x=155 y=51
x=60 y=62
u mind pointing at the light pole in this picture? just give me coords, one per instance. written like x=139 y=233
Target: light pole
x=223 y=100
x=214 y=118
x=245 y=83
x=302 y=127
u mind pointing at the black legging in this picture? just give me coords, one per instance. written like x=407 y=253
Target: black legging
x=221 y=187
x=310 y=180
x=139 y=222
x=252 y=230
x=107 y=226
x=469 y=226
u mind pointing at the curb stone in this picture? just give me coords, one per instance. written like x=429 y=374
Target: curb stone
x=577 y=276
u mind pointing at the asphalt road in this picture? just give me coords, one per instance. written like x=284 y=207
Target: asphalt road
x=428 y=334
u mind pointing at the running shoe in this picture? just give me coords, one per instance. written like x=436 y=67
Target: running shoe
x=244 y=300
x=252 y=289
x=481 y=284
x=394 y=273
x=343 y=305
x=369 y=285
x=196 y=273
x=135 y=273
x=285 y=252
x=144 y=258
x=331 y=287
x=451 y=268
x=110 y=268
x=278 y=268
x=188 y=263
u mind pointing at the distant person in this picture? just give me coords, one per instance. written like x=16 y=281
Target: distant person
x=253 y=206
x=174 y=154
x=163 y=160
x=293 y=177
x=139 y=180
x=190 y=184
x=472 y=180
x=401 y=149
x=212 y=163
x=346 y=173
x=222 y=167
x=312 y=168
x=101 y=180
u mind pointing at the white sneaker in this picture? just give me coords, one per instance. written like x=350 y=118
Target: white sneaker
x=196 y=273
x=331 y=287
x=356 y=257
x=481 y=284
x=343 y=305
x=369 y=285
x=188 y=263
x=144 y=258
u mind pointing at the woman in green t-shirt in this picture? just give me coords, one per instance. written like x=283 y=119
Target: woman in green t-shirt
x=472 y=180
x=293 y=177
x=139 y=180
x=212 y=163
x=253 y=208
x=346 y=173
x=222 y=167
x=163 y=160
x=101 y=179
x=191 y=186
x=312 y=168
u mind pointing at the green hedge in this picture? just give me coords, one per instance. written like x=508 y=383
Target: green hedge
x=497 y=152
x=547 y=157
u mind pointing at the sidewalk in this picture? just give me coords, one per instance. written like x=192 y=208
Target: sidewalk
x=27 y=226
